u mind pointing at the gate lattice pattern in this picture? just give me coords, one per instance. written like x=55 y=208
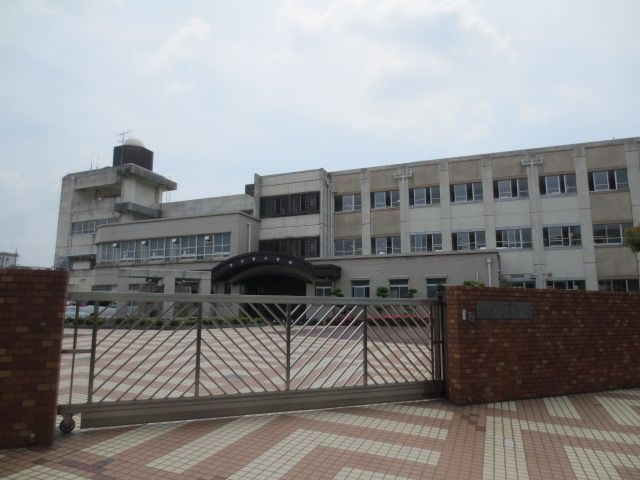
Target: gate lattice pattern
x=160 y=347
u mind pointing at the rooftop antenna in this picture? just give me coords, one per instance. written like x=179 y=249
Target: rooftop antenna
x=122 y=135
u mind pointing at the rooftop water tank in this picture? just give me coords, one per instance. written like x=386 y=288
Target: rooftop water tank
x=133 y=151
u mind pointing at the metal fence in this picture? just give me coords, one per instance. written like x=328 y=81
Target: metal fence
x=132 y=358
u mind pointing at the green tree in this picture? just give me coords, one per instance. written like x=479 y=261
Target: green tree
x=632 y=238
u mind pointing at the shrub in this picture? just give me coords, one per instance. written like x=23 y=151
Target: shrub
x=382 y=292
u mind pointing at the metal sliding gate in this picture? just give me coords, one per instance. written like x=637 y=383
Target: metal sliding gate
x=135 y=358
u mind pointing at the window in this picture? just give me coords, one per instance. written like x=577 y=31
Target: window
x=466 y=192
x=301 y=247
x=562 y=236
x=388 y=199
x=608 y=180
x=558 y=184
x=566 y=284
x=426 y=242
x=128 y=251
x=424 y=196
x=348 y=203
x=513 y=238
x=609 y=234
x=323 y=289
x=89 y=226
x=468 y=240
x=157 y=251
x=512 y=188
x=287 y=205
x=399 y=288
x=384 y=245
x=434 y=285
x=619 y=285
x=360 y=288
x=347 y=246
x=188 y=247
x=518 y=281
x=221 y=243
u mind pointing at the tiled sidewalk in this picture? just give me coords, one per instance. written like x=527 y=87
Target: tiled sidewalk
x=589 y=436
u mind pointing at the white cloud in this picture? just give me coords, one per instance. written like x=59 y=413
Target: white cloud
x=180 y=47
x=385 y=66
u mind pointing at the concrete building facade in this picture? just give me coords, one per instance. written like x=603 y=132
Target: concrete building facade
x=548 y=217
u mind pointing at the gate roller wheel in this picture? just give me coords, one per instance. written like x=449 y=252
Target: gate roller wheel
x=67 y=425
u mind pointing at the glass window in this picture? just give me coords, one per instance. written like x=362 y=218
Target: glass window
x=504 y=189
x=385 y=245
x=523 y=187
x=621 y=179
x=569 y=183
x=518 y=281
x=553 y=185
x=513 y=238
x=434 y=285
x=619 y=285
x=419 y=196
x=558 y=184
x=360 y=288
x=348 y=203
x=609 y=234
x=426 y=242
x=394 y=198
x=477 y=191
x=605 y=180
x=398 y=288
x=386 y=199
x=466 y=192
x=292 y=204
x=468 y=240
x=600 y=181
x=323 y=289
x=562 y=236
x=379 y=200
x=566 y=284
x=348 y=247
x=460 y=193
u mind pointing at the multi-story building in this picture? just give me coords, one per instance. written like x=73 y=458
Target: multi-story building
x=8 y=259
x=548 y=217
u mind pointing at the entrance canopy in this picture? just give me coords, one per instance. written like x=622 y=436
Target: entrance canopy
x=253 y=264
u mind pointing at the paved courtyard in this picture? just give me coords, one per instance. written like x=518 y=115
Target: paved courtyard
x=589 y=436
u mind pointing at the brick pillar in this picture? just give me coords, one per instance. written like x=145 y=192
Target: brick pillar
x=32 y=306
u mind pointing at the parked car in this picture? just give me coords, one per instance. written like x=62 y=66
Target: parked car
x=85 y=311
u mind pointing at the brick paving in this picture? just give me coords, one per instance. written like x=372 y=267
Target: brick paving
x=588 y=436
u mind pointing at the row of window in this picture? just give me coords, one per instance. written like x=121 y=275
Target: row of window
x=190 y=247
x=399 y=288
x=614 y=285
x=302 y=247
x=89 y=226
x=556 y=236
x=293 y=204
x=472 y=192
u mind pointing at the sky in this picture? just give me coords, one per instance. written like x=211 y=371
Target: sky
x=220 y=90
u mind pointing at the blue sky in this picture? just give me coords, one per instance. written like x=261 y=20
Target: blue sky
x=222 y=90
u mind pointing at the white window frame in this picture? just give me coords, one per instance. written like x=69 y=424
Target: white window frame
x=347 y=247
x=419 y=242
x=360 y=286
x=398 y=287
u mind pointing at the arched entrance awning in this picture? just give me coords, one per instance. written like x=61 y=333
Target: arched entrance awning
x=260 y=264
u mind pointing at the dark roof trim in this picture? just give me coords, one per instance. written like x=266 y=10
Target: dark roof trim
x=239 y=264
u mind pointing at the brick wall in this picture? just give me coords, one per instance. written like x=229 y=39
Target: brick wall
x=574 y=342
x=31 y=327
